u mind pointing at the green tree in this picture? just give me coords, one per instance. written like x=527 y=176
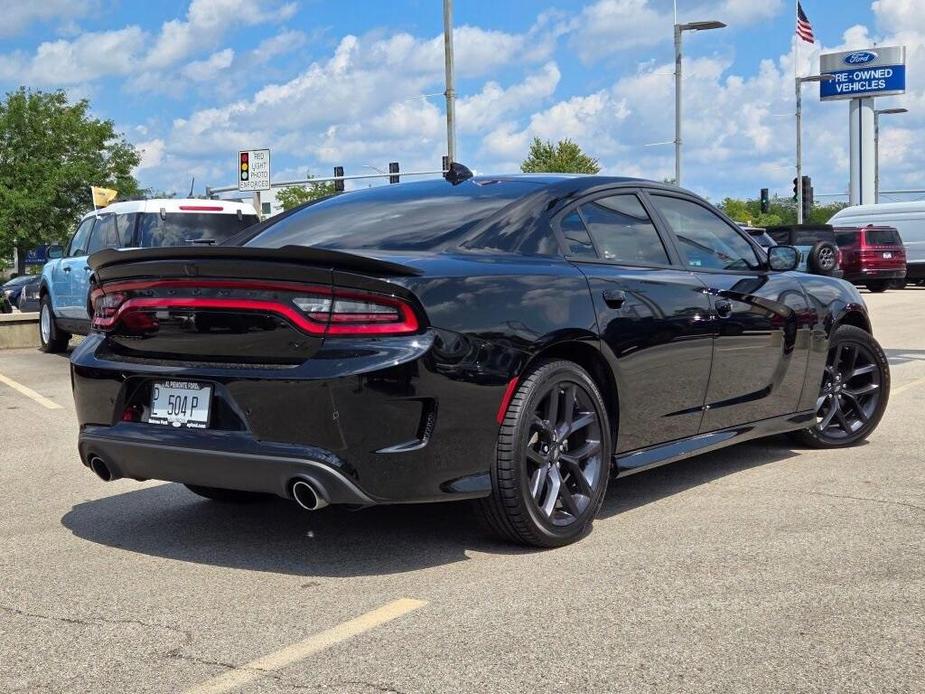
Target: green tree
x=780 y=211
x=563 y=157
x=296 y=195
x=51 y=152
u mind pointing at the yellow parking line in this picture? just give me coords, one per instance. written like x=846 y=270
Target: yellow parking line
x=29 y=393
x=907 y=386
x=299 y=651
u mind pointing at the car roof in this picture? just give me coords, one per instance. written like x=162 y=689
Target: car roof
x=176 y=206
x=879 y=209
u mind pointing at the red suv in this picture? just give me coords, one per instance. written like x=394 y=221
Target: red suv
x=872 y=256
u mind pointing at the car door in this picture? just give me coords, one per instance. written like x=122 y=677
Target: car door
x=762 y=320
x=64 y=299
x=653 y=316
x=105 y=234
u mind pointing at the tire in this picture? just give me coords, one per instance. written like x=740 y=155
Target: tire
x=228 y=496
x=859 y=400
x=823 y=258
x=51 y=337
x=898 y=284
x=877 y=286
x=550 y=498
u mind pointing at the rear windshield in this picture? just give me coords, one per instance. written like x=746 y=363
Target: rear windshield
x=883 y=237
x=187 y=228
x=811 y=237
x=409 y=217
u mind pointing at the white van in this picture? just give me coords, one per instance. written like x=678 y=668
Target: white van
x=907 y=217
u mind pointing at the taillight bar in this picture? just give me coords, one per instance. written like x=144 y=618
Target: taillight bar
x=314 y=310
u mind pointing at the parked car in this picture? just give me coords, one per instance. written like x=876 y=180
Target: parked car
x=29 y=295
x=908 y=218
x=872 y=256
x=816 y=243
x=13 y=288
x=64 y=293
x=518 y=340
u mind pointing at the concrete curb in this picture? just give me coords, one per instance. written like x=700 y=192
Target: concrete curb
x=19 y=330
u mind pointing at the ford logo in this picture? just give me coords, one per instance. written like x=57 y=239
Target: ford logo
x=860 y=57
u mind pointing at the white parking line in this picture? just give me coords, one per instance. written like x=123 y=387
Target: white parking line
x=907 y=386
x=299 y=651
x=29 y=393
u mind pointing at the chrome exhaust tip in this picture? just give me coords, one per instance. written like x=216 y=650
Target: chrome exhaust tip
x=99 y=466
x=307 y=496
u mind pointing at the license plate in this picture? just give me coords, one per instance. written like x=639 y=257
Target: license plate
x=180 y=404
x=887 y=255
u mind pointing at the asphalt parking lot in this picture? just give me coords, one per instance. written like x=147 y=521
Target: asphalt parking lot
x=759 y=568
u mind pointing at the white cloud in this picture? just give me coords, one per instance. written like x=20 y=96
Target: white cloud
x=206 y=22
x=19 y=15
x=202 y=70
x=607 y=27
x=152 y=153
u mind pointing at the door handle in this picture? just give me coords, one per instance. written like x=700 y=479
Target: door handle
x=66 y=269
x=86 y=268
x=615 y=298
x=723 y=308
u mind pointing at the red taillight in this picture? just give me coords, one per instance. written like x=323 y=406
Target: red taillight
x=202 y=208
x=314 y=310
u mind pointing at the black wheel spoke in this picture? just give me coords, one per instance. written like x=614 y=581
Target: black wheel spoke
x=862 y=390
x=569 y=502
x=552 y=407
x=569 y=411
x=856 y=406
x=578 y=475
x=843 y=420
x=553 y=486
x=827 y=420
x=538 y=482
x=535 y=456
x=861 y=370
x=584 y=419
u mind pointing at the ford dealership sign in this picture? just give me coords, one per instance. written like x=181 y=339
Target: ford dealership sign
x=860 y=57
x=858 y=74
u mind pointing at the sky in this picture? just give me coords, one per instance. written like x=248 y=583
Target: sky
x=359 y=83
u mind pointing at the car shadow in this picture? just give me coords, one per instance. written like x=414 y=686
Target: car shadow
x=276 y=536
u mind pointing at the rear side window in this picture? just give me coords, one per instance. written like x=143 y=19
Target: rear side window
x=810 y=237
x=577 y=239
x=81 y=237
x=186 y=229
x=883 y=237
x=623 y=232
x=112 y=231
x=846 y=239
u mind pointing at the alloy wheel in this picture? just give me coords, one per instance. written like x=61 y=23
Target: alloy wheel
x=827 y=259
x=851 y=388
x=564 y=455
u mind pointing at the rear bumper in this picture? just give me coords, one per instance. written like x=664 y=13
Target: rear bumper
x=390 y=420
x=862 y=276
x=228 y=461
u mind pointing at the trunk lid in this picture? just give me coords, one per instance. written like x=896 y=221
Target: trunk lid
x=237 y=305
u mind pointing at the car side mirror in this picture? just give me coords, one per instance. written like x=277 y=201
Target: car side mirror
x=783 y=258
x=55 y=251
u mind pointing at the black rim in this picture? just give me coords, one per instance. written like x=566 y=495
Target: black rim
x=850 y=391
x=564 y=461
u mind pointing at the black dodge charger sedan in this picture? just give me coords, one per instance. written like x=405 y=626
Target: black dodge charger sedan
x=518 y=340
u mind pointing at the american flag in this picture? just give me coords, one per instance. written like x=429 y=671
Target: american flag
x=804 y=28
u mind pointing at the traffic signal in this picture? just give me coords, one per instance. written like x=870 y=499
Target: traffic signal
x=796 y=191
x=244 y=166
x=393 y=169
x=339 y=183
x=807 y=184
x=765 y=201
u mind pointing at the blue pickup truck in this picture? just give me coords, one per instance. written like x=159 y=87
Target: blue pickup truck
x=64 y=292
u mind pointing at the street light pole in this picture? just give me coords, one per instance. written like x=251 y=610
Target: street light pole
x=877 y=114
x=450 y=89
x=678 y=29
x=677 y=104
x=798 y=86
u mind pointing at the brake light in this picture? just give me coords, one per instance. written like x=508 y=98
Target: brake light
x=202 y=208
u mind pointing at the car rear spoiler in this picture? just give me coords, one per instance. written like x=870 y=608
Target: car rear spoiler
x=287 y=254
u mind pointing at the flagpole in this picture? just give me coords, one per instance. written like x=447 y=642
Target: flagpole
x=797 y=112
